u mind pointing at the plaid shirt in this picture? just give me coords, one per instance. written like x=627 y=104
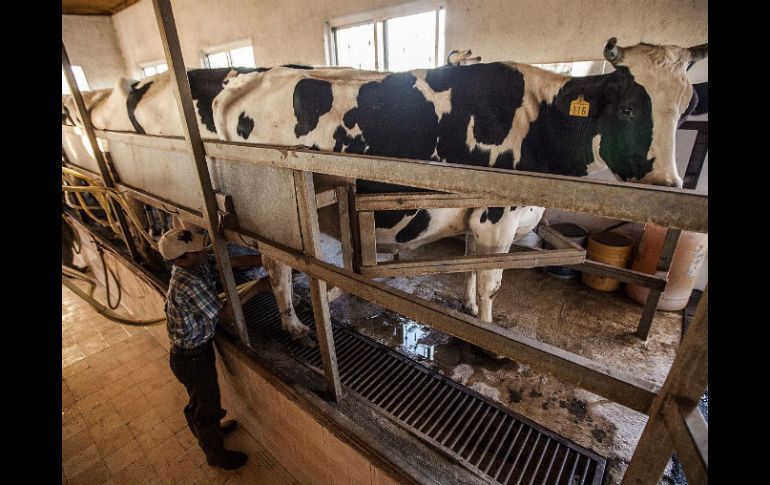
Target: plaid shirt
x=192 y=307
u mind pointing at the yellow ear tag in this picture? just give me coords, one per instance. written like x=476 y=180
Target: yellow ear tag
x=579 y=107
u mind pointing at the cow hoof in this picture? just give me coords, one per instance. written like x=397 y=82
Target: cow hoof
x=305 y=341
x=471 y=310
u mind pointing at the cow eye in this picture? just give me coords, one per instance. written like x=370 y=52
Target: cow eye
x=626 y=110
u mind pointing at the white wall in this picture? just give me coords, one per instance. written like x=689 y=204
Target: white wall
x=517 y=30
x=92 y=44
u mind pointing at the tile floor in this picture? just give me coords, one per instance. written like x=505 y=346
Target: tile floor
x=122 y=419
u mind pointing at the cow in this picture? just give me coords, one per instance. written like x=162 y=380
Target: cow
x=504 y=115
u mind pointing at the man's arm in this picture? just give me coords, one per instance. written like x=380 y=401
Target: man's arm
x=262 y=284
x=246 y=261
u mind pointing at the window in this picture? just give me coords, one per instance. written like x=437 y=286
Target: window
x=152 y=68
x=400 y=38
x=578 y=68
x=80 y=79
x=237 y=54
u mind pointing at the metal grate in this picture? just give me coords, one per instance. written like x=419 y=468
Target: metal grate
x=487 y=438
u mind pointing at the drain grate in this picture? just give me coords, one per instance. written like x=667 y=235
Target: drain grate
x=487 y=438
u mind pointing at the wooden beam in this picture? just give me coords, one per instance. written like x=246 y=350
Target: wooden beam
x=106 y=176
x=326 y=198
x=557 y=239
x=368 y=239
x=622 y=274
x=187 y=213
x=308 y=217
x=420 y=200
x=689 y=433
x=463 y=264
x=169 y=143
x=164 y=16
x=355 y=232
x=632 y=202
x=653 y=297
x=343 y=210
x=627 y=390
x=686 y=381
x=477 y=186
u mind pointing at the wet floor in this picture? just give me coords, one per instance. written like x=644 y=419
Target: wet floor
x=531 y=303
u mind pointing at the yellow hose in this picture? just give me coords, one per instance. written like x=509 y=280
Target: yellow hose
x=106 y=197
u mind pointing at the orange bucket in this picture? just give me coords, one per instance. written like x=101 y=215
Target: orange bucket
x=609 y=248
x=685 y=266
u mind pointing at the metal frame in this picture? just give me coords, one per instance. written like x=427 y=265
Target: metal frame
x=670 y=407
x=173 y=52
x=105 y=174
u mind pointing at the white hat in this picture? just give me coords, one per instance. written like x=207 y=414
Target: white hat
x=176 y=242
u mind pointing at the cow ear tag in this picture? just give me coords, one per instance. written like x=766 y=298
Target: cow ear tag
x=579 y=107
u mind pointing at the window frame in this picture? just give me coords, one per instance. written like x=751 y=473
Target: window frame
x=148 y=64
x=381 y=15
x=225 y=48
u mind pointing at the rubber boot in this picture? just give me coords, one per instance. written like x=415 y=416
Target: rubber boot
x=188 y=415
x=210 y=439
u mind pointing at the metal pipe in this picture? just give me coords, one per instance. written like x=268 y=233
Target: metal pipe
x=164 y=15
x=518 y=455
x=489 y=442
x=107 y=179
x=500 y=445
x=540 y=461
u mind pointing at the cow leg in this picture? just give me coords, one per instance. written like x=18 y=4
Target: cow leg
x=493 y=232
x=280 y=280
x=469 y=301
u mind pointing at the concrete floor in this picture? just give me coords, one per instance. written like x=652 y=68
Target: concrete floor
x=121 y=406
x=122 y=421
x=565 y=314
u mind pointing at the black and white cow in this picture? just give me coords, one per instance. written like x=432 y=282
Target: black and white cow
x=503 y=114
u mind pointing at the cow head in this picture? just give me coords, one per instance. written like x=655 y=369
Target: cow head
x=644 y=101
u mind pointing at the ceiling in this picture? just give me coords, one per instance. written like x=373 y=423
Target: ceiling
x=94 y=7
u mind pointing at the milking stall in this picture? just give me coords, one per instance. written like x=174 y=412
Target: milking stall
x=481 y=227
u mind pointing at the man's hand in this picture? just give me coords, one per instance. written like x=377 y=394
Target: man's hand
x=262 y=284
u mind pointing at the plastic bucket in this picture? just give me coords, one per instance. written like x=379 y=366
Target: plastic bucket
x=685 y=266
x=577 y=234
x=609 y=248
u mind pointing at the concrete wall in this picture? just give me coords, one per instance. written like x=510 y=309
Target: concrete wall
x=518 y=30
x=303 y=446
x=92 y=44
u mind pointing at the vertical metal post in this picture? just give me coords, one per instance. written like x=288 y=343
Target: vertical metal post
x=653 y=297
x=697 y=156
x=167 y=27
x=685 y=382
x=308 y=213
x=355 y=230
x=345 y=232
x=85 y=116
